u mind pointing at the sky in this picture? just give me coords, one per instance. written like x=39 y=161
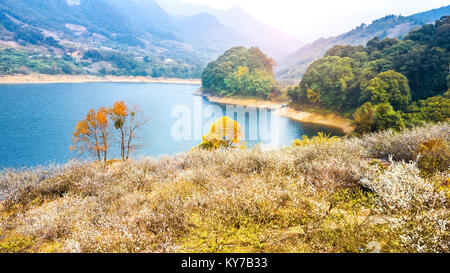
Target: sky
x=312 y=19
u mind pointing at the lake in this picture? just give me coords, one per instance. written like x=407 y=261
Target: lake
x=37 y=120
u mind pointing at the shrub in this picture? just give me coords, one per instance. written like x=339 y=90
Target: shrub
x=401 y=188
x=433 y=156
x=320 y=139
x=321 y=196
x=403 y=146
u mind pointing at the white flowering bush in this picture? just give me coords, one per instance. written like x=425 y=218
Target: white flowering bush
x=323 y=196
x=401 y=188
x=403 y=146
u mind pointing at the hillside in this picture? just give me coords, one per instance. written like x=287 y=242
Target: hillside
x=387 y=84
x=294 y=65
x=54 y=37
x=138 y=37
x=241 y=72
x=323 y=195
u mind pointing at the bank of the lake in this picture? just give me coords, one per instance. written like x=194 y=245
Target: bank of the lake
x=43 y=79
x=331 y=120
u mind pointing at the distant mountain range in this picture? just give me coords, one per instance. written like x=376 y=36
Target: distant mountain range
x=158 y=37
x=251 y=31
x=202 y=32
x=294 y=65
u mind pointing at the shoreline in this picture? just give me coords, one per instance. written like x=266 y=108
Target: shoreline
x=330 y=120
x=49 y=79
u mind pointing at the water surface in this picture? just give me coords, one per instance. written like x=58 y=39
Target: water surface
x=37 y=120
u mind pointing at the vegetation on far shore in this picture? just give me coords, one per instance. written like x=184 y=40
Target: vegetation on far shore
x=241 y=72
x=386 y=192
x=103 y=62
x=387 y=84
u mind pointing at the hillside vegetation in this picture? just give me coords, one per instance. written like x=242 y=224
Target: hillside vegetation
x=241 y=72
x=321 y=195
x=294 y=65
x=390 y=83
x=132 y=38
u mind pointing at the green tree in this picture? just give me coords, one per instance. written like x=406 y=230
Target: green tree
x=389 y=86
x=436 y=109
x=385 y=118
x=364 y=118
x=332 y=75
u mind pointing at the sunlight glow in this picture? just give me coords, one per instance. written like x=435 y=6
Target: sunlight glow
x=309 y=20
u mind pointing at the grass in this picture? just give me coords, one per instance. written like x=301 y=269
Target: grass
x=321 y=195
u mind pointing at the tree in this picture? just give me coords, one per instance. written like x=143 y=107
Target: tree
x=313 y=94
x=136 y=120
x=442 y=38
x=127 y=122
x=333 y=76
x=371 y=69
x=411 y=75
x=385 y=118
x=364 y=118
x=435 y=109
x=92 y=134
x=224 y=133
x=119 y=115
x=389 y=86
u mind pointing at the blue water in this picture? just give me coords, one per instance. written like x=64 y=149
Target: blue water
x=36 y=121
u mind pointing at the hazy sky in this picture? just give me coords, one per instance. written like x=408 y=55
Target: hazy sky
x=311 y=19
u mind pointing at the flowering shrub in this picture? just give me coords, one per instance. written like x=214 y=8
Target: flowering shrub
x=403 y=146
x=401 y=188
x=434 y=156
x=321 y=196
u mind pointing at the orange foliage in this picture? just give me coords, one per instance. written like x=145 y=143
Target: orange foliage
x=120 y=109
x=91 y=134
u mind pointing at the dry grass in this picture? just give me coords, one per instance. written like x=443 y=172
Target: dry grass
x=324 y=196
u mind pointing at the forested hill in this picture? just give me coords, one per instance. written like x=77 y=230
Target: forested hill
x=119 y=37
x=390 y=83
x=241 y=72
x=294 y=65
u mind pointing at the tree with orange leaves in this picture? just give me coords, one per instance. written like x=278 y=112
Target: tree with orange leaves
x=128 y=121
x=119 y=115
x=92 y=134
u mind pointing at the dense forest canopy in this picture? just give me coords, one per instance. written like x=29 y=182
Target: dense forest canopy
x=405 y=80
x=241 y=71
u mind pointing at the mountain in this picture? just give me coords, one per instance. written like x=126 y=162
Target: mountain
x=139 y=29
x=206 y=33
x=252 y=32
x=272 y=41
x=294 y=65
x=123 y=21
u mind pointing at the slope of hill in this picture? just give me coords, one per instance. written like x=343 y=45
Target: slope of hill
x=294 y=65
x=254 y=33
x=64 y=30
